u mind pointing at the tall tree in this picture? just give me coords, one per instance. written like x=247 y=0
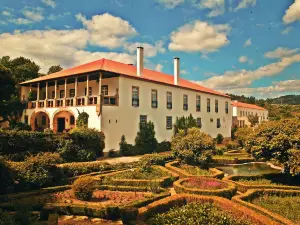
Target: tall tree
x=253 y=120
x=54 y=69
x=7 y=84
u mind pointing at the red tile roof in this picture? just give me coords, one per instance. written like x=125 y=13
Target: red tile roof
x=245 y=105
x=125 y=70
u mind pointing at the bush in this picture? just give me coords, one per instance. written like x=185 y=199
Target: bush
x=219 y=138
x=231 y=145
x=129 y=214
x=6 y=176
x=19 y=126
x=83 y=188
x=194 y=147
x=163 y=146
x=82 y=120
x=157 y=159
x=90 y=139
x=184 y=123
x=6 y=218
x=13 y=141
x=145 y=141
x=242 y=135
x=126 y=149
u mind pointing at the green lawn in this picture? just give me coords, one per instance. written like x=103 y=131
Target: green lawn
x=194 y=170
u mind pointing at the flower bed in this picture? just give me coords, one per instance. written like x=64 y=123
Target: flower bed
x=189 y=171
x=157 y=175
x=280 y=205
x=266 y=181
x=205 y=186
x=232 y=210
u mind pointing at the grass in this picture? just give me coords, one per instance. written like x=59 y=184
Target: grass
x=194 y=170
x=153 y=173
x=196 y=214
x=287 y=207
x=207 y=184
x=231 y=156
x=260 y=181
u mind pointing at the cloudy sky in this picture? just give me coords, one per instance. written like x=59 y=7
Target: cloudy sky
x=246 y=47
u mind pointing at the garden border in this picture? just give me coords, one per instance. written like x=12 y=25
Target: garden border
x=165 y=204
x=244 y=187
x=242 y=200
x=227 y=192
x=171 y=166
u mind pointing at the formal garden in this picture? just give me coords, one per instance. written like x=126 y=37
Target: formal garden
x=253 y=178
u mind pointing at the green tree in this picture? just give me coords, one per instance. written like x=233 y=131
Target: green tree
x=54 y=69
x=145 y=141
x=82 y=120
x=253 y=120
x=7 y=85
x=184 y=123
x=275 y=140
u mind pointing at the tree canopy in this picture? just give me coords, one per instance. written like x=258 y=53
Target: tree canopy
x=54 y=69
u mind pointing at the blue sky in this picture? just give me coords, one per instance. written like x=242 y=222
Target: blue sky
x=246 y=47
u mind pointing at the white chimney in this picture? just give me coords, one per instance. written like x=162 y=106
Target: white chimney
x=140 y=61
x=176 y=70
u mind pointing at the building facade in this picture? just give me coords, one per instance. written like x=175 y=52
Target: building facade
x=118 y=97
x=241 y=111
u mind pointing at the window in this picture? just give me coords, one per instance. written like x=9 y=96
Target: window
x=169 y=100
x=72 y=93
x=185 y=102
x=26 y=119
x=198 y=103
x=62 y=93
x=53 y=94
x=104 y=89
x=72 y=120
x=135 y=96
x=90 y=91
x=199 y=123
x=43 y=120
x=143 y=120
x=169 y=123
x=226 y=107
x=154 y=98
x=218 y=123
x=208 y=105
x=216 y=106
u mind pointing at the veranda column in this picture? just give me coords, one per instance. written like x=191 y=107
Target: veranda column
x=65 y=96
x=37 y=95
x=87 y=90
x=99 y=100
x=46 y=97
x=75 y=95
x=55 y=93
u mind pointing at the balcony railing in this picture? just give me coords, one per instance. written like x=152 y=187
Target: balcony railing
x=110 y=100
x=50 y=103
x=69 y=101
x=80 y=101
x=92 y=100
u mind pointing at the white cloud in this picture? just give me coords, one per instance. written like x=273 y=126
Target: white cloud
x=184 y=72
x=33 y=14
x=245 y=4
x=286 y=31
x=292 y=13
x=248 y=42
x=243 y=59
x=159 y=67
x=52 y=47
x=50 y=3
x=58 y=16
x=6 y=13
x=274 y=90
x=217 y=7
x=171 y=4
x=20 y=21
x=149 y=50
x=199 y=37
x=243 y=78
x=281 y=52
x=107 y=30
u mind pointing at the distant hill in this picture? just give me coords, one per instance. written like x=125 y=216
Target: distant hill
x=287 y=99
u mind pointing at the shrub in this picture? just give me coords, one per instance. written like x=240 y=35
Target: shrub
x=6 y=218
x=242 y=135
x=184 y=123
x=163 y=146
x=125 y=148
x=231 y=145
x=82 y=120
x=219 y=138
x=19 y=126
x=129 y=214
x=157 y=159
x=90 y=139
x=194 y=147
x=145 y=141
x=83 y=188
x=6 y=176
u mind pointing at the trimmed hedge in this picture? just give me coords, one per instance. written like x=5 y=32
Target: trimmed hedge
x=251 y=194
x=162 y=182
x=234 y=209
x=172 y=166
x=242 y=187
x=227 y=192
x=157 y=159
x=223 y=159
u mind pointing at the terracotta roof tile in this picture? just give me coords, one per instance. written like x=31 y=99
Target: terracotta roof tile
x=125 y=70
x=246 y=105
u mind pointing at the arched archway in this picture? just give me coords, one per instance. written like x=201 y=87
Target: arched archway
x=63 y=120
x=39 y=121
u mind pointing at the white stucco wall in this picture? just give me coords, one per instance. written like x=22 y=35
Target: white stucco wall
x=262 y=114
x=124 y=119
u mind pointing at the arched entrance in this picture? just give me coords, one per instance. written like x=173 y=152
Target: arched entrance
x=39 y=121
x=63 y=121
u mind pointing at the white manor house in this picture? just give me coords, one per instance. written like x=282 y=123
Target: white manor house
x=119 y=96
